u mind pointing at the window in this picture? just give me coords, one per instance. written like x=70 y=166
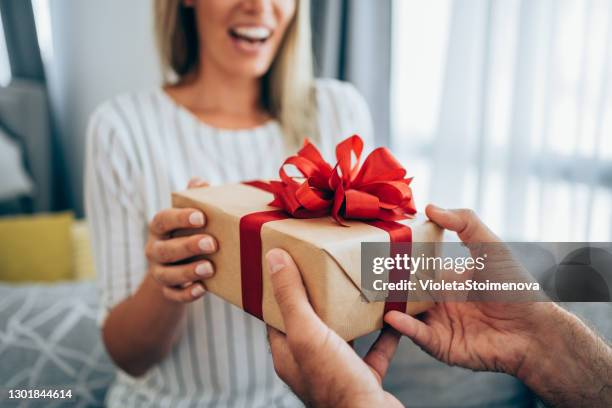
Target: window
x=420 y=37
x=505 y=106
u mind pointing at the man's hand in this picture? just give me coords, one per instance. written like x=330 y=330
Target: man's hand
x=484 y=336
x=548 y=348
x=320 y=367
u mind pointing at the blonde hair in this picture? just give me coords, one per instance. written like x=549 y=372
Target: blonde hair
x=287 y=88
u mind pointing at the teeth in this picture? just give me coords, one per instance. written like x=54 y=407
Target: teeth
x=253 y=33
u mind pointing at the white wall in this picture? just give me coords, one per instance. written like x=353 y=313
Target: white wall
x=100 y=48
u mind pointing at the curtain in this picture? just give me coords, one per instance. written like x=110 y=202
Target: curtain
x=508 y=110
x=351 y=40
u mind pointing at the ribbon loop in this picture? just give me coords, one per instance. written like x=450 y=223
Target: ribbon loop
x=378 y=190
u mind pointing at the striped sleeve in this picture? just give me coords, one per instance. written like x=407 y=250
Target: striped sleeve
x=114 y=207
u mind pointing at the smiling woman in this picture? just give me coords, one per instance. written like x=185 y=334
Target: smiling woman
x=238 y=94
x=276 y=48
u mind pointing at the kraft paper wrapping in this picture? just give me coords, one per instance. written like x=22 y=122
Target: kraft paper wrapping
x=328 y=256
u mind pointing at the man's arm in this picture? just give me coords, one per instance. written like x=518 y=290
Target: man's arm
x=569 y=365
x=548 y=348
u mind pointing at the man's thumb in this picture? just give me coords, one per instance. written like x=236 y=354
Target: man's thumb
x=464 y=222
x=288 y=288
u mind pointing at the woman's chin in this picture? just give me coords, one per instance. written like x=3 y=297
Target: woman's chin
x=249 y=69
x=251 y=59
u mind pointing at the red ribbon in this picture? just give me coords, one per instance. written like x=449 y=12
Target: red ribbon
x=376 y=191
x=398 y=234
x=251 y=274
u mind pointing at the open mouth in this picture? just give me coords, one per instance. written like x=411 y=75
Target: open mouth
x=251 y=34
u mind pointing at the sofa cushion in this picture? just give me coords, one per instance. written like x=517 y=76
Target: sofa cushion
x=49 y=338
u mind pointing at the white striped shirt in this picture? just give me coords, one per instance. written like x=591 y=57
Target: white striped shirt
x=140 y=148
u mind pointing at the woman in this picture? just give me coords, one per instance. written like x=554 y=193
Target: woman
x=239 y=96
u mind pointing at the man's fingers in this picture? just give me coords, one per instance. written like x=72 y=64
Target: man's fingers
x=381 y=353
x=284 y=363
x=289 y=290
x=412 y=328
x=196 y=182
x=173 y=219
x=464 y=222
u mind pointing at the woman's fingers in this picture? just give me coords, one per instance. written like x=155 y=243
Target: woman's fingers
x=173 y=219
x=381 y=353
x=169 y=243
x=180 y=248
x=186 y=294
x=175 y=275
x=196 y=182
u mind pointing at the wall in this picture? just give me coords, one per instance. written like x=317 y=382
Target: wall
x=100 y=48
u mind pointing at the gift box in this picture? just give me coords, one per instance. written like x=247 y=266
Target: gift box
x=320 y=227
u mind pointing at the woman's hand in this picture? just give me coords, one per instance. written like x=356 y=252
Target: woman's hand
x=313 y=360
x=142 y=329
x=174 y=250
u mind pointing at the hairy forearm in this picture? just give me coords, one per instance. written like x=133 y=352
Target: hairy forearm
x=570 y=366
x=141 y=330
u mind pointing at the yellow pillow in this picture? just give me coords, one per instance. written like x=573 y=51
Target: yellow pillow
x=36 y=248
x=82 y=259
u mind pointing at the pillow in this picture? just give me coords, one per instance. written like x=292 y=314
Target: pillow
x=36 y=248
x=82 y=259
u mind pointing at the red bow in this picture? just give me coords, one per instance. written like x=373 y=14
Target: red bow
x=377 y=190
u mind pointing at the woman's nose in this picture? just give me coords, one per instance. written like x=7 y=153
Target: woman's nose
x=257 y=6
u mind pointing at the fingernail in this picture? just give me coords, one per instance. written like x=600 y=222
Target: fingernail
x=194 y=182
x=197 y=291
x=196 y=219
x=204 y=270
x=276 y=260
x=207 y=244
